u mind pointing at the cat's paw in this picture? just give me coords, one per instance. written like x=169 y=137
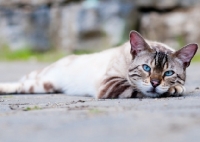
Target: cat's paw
x=177 y=90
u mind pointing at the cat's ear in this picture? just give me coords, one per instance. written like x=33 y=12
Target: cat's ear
x=138 y=43
x=186 y=53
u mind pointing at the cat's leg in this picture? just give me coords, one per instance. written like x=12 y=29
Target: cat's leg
x=116 y=87
x=176 y=90
x=42 y=81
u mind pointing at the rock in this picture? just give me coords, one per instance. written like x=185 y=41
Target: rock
x=175 y=28
x=95 y=25
x=166 y=4
x=29 y=2
x=158 y=4
x=68 y=25
x=27 y=27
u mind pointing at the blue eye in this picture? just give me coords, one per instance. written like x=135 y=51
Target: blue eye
x=169 y=73
x=146 y=68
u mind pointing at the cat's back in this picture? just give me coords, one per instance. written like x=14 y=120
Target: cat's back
x=82 y=74
x=87 y=60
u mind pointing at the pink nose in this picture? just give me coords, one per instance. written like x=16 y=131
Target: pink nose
x=155 y=82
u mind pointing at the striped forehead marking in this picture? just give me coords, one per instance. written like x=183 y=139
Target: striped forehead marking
x=160 y=59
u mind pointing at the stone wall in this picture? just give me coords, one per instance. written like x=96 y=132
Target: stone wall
x=64 y=24
x=95 y=24
x=176 y=23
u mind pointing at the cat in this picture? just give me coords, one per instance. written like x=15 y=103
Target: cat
x=139 y=68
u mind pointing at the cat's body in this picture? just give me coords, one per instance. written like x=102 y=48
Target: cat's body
x=113 y=73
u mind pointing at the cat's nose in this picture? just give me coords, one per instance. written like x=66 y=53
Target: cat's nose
x=155 y=82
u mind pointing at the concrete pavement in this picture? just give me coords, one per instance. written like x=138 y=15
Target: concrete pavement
x=57 y=117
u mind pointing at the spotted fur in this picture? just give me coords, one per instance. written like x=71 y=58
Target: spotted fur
x=114 y=73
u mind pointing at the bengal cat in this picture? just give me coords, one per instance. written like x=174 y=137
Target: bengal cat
x=139 y=68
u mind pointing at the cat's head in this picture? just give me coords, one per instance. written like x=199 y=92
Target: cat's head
x=155 y=67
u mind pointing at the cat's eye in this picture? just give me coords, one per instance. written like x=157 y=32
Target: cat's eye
x=146 y=68
x=169 y=73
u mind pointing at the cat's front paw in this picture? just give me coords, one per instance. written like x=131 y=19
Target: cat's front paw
x=177 y=90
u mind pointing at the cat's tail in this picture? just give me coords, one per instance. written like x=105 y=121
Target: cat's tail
x=27 y=87
x=9 y=88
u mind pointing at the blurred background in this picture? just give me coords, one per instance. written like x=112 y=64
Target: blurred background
x=44 y=30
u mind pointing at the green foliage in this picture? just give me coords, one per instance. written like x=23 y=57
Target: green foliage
x=80 y=52
x=27 y=54
x=196 y=58
x=181 y=41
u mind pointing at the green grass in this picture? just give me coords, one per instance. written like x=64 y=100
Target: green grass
x=181 y=41
x=196 y=58
x=49 y=56
x=28 y=55
x=79 y=52
x=32 y=108
x=95 y=111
